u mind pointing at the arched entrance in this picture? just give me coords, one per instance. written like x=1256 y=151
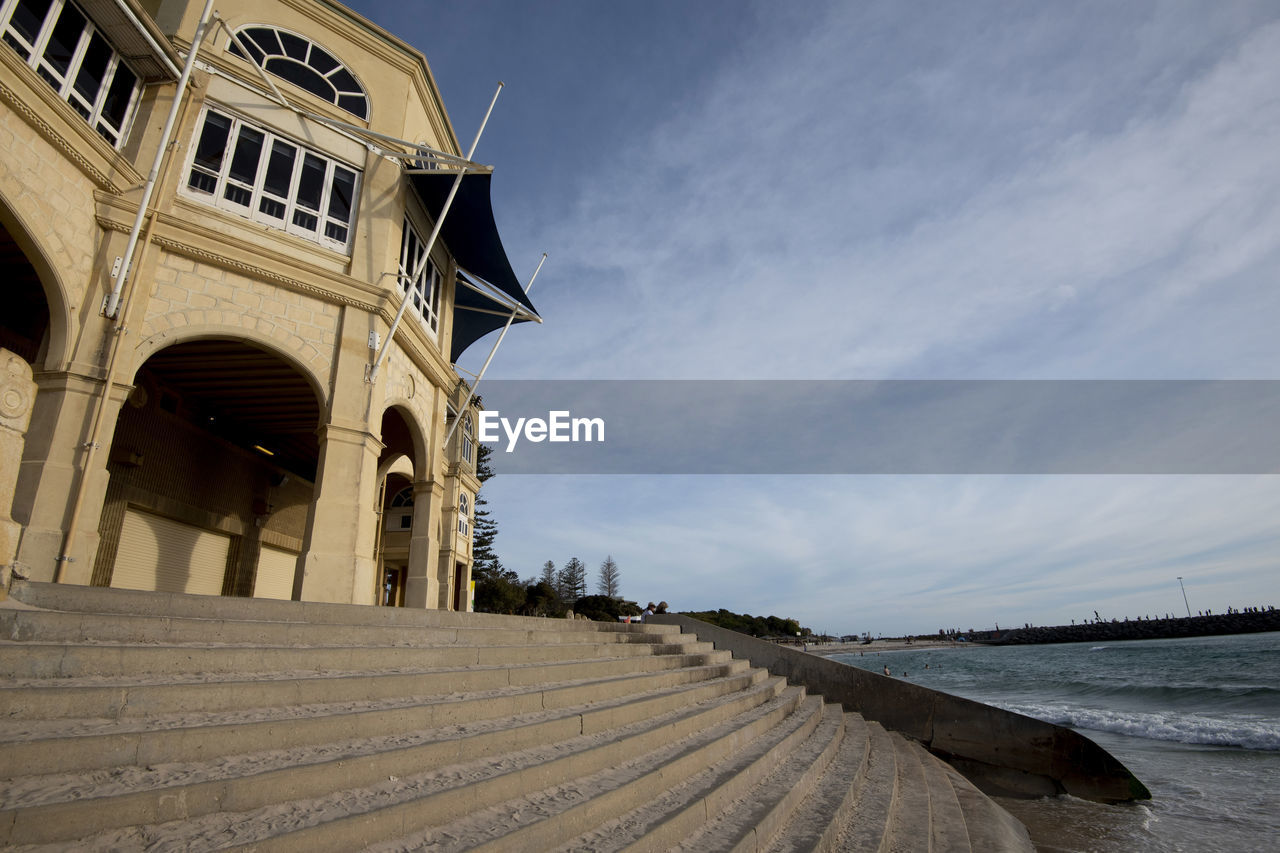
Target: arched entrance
x=24 y=323
x=212 y=470
x=396 y=507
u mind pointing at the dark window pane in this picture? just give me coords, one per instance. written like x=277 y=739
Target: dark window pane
x=274 y=209
x=335 y=232
x=93 y=68
x=66 y=35
x=213 y=142
x=203 y=182
x=321 y=60
x=344 y=184
x=236 y=195
x=244 y=163
x=12 y=40
x=116 y=103
x=354 y=104
x=28 y=16
x=294 y=46
x=301 y=76
x=265 y=39
x=311 y=183
x=344 y=82
x=305 y=220
x=255 y=52
x=78 y=107
x=280 y=169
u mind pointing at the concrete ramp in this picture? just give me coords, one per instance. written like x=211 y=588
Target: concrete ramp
x=144 y=721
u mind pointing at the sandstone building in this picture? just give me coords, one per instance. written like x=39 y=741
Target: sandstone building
x=205 y=292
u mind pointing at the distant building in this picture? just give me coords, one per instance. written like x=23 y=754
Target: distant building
x=213 y=422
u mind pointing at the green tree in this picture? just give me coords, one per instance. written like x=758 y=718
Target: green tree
x=571 y=582
x=549 y=574
x=498 y=590
x=483 y=528
x=610 y=578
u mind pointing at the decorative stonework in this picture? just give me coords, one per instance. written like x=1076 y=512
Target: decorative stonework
x=17 y=392
x=54 y=138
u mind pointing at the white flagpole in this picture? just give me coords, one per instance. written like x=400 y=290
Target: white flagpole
x=431 y=242
x=479 y=376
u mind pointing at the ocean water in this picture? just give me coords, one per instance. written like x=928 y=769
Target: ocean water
x=1197 y=720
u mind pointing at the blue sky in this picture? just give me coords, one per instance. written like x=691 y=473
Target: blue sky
x=738 y=190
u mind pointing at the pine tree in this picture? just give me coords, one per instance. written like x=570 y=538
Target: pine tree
x=571 y=582
x=483 y=528
x=610 y=578
x=549 y=574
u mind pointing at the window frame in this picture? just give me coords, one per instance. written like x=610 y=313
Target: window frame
x=428 y=286
x=464 y=513
x=64 y=81
x=468 y=438
x=224 y=183
x=311 y=49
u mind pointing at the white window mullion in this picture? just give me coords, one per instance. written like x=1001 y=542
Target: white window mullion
x=77 y=57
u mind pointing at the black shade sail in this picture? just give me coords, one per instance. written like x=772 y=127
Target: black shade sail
x=471 y=236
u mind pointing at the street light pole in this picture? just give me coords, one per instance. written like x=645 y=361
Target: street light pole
x=1184 y=596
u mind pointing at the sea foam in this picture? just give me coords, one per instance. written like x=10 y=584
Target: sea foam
x=1179 y=727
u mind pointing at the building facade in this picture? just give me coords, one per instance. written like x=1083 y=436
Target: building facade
x=204 y=264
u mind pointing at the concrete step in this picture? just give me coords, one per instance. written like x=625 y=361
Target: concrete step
x=750 y=823
x=103 y=600
x=818 y=821
x=52 y=626
x=143 y=721
x=867 y=829
x=56 y=707
x=53 y=806
x=195 y=737
x=988 y=826
x=352 y=818
x=33 y=661
x=948 y=829
x=910 y=819
x=658 y=793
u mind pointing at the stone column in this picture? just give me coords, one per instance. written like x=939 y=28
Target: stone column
x=17 y=394
x=338 y=563
x=49 y=475
x=424 y=545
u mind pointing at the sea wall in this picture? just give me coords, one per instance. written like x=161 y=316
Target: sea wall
x=1250 y=622
x=1001 y=752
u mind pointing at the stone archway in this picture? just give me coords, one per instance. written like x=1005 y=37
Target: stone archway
x=211 y=468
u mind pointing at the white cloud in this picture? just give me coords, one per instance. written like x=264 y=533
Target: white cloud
x=806 y=217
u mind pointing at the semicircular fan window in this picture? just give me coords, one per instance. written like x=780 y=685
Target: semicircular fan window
x=303 y=63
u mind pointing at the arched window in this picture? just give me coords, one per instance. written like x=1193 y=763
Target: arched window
x=468 y=437
x=464 y=513
x=400 y=514
x=304 y=64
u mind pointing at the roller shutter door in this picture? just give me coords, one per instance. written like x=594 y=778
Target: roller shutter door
x=275 y=573
x=168 y=556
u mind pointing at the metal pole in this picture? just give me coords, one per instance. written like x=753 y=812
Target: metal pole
x=1184 y=595
x=472 y=392
x=431 y=242
x=95 y=433
x=113 y=301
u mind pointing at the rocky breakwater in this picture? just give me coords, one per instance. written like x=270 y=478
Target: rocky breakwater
x=1250 y=621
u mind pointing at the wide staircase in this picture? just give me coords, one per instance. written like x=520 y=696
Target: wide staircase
x=143 y=721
